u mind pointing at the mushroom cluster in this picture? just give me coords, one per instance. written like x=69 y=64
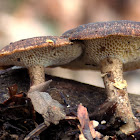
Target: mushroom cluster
x=112 y=47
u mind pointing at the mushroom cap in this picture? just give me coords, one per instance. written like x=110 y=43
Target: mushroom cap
x=104 y=29
x=44 y=50
x=116 y=39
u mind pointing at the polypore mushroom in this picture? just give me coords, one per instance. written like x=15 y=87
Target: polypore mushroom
x=110 y=47
x=35 y=54
x=39 y=52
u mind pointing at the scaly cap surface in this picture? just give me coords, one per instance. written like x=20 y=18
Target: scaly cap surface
x=33 y=43
x=104 y=29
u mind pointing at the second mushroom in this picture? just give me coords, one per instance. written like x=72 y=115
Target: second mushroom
x=110 y=47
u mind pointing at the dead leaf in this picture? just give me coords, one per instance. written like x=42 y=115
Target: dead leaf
x=86 y=126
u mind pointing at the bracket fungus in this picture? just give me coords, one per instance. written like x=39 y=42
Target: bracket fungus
x=112 y=47
x=37 y=53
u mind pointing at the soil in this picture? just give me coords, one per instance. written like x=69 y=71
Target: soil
x=17 y=120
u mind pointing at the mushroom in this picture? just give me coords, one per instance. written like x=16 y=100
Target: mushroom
x=111 y=47
x=35 y=54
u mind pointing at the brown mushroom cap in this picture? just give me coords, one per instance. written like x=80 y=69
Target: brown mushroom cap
x=44 y=50
x=117 y=39
x=104 y=29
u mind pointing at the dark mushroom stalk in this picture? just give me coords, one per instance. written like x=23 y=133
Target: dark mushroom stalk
x=110 y=47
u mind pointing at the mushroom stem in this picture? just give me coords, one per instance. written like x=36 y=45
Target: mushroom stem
x=37 y=75
x=112 y=70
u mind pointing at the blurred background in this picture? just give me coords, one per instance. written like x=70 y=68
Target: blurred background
x=20 y=19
